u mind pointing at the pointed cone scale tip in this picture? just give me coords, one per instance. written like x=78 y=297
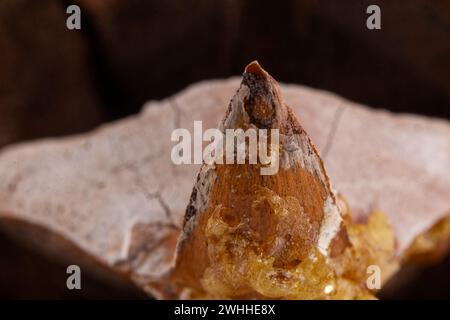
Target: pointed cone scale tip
x=235 y=218
x=255 y=68
x=263 y=99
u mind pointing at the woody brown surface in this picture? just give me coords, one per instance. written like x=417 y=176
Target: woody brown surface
x=115 y=194
x=277 y=215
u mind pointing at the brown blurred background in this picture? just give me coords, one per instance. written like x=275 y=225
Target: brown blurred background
x=54 y=81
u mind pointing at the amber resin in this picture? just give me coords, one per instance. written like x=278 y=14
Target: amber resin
x=258 y=256
x=260 y=260
x=431 y=246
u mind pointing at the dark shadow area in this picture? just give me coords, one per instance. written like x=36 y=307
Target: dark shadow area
x=26 y=273
x=56 y=81
x=420 y=282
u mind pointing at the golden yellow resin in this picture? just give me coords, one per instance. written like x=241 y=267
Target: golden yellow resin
x=256 y=257
x=430 y=246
